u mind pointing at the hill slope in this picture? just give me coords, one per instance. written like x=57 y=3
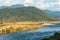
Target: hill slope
x=56 y=14
x=24 y=14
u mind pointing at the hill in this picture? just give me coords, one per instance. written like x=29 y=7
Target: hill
x=24 y=14
x=12 y=6
x=17 y=6
x=56 y=14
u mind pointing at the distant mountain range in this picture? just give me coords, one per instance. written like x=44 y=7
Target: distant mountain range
x=56 y=14
x=17 y=6
x=12 y=6
x=22 y=13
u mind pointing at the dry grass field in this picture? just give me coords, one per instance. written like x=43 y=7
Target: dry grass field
x=18 y=27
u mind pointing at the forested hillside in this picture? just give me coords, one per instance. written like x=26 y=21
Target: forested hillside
x=24 y=14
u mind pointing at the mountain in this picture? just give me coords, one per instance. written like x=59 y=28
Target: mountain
x=24 y=14
x=56 y=14
x=1 y=7
x=17 y=6
x=13 y=6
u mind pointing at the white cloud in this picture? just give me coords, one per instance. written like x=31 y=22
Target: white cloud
x=59 y=2
x=42 y=4
x=10 y=2
x=7 y=2
x=28 y=2
x=48 y=5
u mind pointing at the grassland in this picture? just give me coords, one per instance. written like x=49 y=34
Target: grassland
x=18 y=27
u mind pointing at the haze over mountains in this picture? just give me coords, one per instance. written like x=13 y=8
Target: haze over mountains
x=13 y=6
x=22 y=13
x=56 y=14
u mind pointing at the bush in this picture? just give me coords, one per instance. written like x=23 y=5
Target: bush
x=56 y=36
x=7 y=30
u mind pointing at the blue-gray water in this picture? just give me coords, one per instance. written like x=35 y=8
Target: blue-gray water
x=32 y=35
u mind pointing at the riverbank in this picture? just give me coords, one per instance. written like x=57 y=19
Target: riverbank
x=56 y=36
x=21 y=26
x=18 y=27
x=36 y=34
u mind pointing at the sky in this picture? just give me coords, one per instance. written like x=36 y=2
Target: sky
x=53 y=5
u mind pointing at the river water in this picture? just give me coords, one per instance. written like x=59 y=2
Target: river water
x=33 y=34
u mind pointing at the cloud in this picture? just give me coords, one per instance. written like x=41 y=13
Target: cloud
x=28 y=2
x=42 y=4
x=52 y=5
x=7 y=2
x=55 y=6
x=10 y=2
x=59 y=2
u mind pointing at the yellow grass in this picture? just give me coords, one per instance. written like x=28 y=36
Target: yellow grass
x=18 y=27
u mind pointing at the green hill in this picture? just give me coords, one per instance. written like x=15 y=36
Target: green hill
x=24 y=14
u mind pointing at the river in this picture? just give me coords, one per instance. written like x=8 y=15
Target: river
x=33 y=34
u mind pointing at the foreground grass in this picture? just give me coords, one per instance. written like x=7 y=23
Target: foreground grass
x=18 y=27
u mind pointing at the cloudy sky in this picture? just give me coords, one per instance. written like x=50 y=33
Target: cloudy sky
x=53 y=5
